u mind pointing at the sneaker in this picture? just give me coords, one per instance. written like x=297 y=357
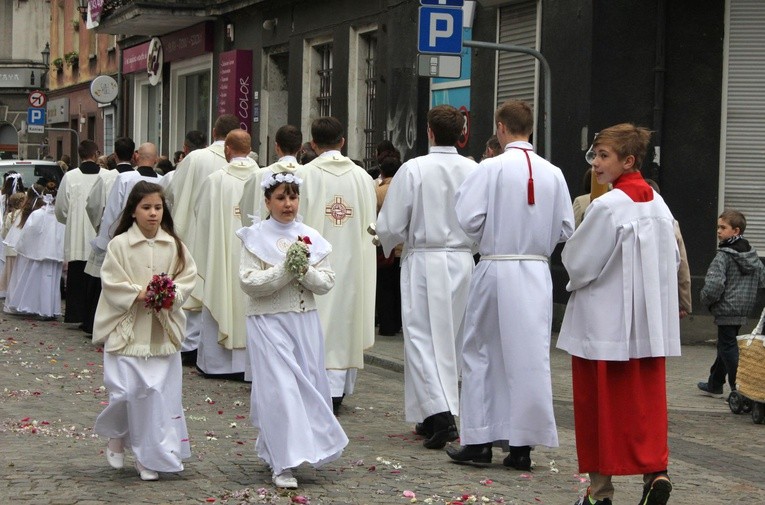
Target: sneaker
x=713 y=392
x=585 y=500
x=657 y=491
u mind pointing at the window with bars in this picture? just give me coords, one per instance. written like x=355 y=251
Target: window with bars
x=370 y=81
x=324 y=97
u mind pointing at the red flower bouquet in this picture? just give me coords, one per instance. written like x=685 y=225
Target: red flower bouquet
x=160 y=293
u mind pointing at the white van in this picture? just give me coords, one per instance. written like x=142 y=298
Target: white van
x=32 y=170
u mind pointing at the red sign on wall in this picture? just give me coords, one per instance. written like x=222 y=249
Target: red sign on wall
x=235 y=86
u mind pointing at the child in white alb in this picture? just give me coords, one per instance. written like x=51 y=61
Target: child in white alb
x=40 y=248
x=284 y=263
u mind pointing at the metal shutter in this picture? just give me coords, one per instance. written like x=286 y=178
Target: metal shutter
x=517 y=73
x=743 y=117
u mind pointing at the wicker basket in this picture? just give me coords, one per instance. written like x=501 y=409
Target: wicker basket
x=750 y=377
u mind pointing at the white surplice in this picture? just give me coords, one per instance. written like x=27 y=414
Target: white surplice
x=602 y=262
x=71 y=202
x=253 y=196
x=506 y=385
x=223 y=332
x=338 y=199
x=436 y=265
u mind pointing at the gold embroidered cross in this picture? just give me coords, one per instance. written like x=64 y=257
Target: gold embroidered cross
x=338 y=211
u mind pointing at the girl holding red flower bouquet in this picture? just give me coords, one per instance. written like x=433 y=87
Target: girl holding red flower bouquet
x=146 y=276
x=284 y=263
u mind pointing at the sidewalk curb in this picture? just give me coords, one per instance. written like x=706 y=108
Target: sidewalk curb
x=388 y=364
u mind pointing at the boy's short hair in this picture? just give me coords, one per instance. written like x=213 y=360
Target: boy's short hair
x=446 y=123
x=626 y=139
x=124 y=148
x=87 y=149
x=289 y=139
x=516 y=116
x=327 y=132
x=225 y=124
x=735 y=219
x=194 y=140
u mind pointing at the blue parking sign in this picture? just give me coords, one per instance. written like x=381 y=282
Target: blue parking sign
x=447 y=3
x=440 y=30
x=36 y=116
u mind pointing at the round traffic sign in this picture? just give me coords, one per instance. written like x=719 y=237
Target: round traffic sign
x=37 y=99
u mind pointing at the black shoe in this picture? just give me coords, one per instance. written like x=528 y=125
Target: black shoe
x=444 y=430
x=479 y=453
x=657 y=491
x=439 y=438
x=714 y=392
x=425 y=428
x=585 y=500
x=336 y=402
x=519 y=458
x=189 y=358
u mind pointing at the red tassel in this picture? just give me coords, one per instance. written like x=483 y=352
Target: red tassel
x=531 y=191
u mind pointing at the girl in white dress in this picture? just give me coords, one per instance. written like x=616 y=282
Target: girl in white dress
x=142 y=361
x=290 y=398
x=10 y=217
x=40 y=261
x=32 y=202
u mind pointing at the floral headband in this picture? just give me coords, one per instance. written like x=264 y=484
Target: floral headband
x=277 y=179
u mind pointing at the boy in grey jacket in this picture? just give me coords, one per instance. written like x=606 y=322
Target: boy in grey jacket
x=730 y=291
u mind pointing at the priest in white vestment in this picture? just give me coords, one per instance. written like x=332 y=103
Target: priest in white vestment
x=338 y=199
x=71 y=202
x=435 y=274
x=287 y=142
x=181 y=195
x=517 y=207
x=217 y=253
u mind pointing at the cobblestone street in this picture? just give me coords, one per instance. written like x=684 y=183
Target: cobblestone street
x=52 y=392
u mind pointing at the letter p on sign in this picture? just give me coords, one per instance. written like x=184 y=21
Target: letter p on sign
x=440 y=30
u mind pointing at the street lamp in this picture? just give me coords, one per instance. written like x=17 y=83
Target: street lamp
x=82 y=6
x=46 y=62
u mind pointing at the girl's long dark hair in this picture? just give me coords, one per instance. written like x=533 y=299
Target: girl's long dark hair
x=33 y=202
x=141 y=190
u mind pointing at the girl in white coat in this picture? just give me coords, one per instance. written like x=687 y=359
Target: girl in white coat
x=142 y=361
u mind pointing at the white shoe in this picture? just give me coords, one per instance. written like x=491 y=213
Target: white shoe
x=115 y=459
x=145 y=473
x=285 y=480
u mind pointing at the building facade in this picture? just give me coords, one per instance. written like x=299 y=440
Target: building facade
x=78 y=56
x=689 y=70
x=271 y=63
x=24 y=28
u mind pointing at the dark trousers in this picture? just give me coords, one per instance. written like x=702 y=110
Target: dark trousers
x=92 y=294
x=727 y=358
x=388 y=299
x=75 y=292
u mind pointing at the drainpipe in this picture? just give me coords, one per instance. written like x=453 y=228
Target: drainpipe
x=120 y=98
x=659 y=75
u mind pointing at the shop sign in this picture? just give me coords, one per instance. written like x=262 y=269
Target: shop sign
x=57 y=111
x=235 y=86
x=183 y=44
x=19 y=77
